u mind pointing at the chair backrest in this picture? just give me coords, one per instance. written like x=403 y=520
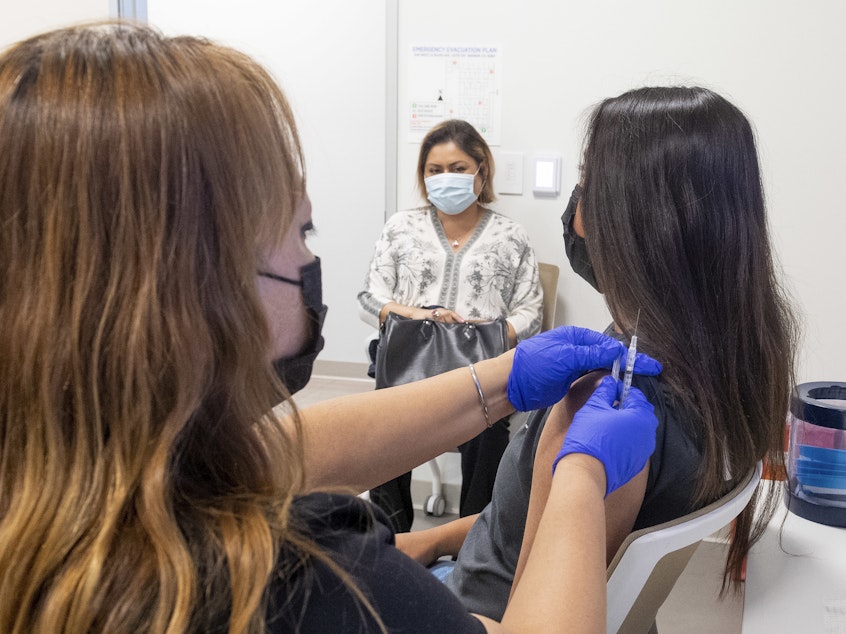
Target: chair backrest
x=549 y=286
x=650 y=560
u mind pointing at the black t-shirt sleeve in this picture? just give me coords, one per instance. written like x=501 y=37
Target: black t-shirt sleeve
x=674 y=466
x=356 y=535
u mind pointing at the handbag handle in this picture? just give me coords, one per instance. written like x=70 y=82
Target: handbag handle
x=427 y=330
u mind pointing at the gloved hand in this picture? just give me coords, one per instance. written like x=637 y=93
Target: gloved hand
x=621 y=439
x=547 y=364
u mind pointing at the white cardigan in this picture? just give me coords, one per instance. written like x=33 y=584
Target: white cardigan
x=494 y=274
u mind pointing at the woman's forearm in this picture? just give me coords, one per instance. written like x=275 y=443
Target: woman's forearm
x=412 y=312
x=428 y=545
x=366 y=439
x=563 y=585
x=512 y=334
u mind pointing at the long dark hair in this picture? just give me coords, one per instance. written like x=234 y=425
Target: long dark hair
x=676 y=228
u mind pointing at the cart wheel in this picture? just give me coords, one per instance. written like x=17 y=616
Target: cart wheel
x=434 y=505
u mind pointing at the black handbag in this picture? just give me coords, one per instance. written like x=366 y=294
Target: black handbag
x=414 y=349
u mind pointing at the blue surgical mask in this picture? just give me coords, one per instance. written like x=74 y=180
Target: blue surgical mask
x=450 y=192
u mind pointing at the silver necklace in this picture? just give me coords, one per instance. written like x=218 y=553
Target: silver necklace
x=456 y=241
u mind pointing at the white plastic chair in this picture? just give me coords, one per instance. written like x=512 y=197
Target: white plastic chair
x=548 y=274
x=649 y=561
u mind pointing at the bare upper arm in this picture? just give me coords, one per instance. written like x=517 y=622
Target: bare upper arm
x=621 y=507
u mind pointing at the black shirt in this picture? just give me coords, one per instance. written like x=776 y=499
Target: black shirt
x=357 y=536
x=486 y=563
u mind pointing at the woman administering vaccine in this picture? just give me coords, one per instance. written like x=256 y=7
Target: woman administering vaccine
x=454 y=260
x=158 y=299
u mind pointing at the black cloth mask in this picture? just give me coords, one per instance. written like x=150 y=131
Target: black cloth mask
x=295 y=371
x=574 y=244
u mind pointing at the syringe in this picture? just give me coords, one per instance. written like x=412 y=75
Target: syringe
x=630 y=360
x=627 y=377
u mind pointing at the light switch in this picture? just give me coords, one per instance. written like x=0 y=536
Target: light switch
x=547 y=175
x=509 y=173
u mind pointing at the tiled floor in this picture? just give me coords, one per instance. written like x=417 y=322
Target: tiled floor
x=693 y=607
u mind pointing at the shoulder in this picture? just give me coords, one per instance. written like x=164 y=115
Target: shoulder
x=675 y=464
x=409 y=216
x=402 y=225
x=327 y=515
x=500 y=222
x=311 y=588
x=358 y=567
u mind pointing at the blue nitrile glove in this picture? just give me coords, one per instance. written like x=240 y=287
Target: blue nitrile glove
x=547 y=364
x=621 y=439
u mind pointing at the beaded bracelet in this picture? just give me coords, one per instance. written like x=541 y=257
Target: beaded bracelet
x=481 y=395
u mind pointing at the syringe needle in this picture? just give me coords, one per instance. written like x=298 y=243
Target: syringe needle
x=630 y=360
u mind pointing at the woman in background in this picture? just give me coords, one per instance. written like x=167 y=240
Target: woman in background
x=155 y=286
x=451 y=261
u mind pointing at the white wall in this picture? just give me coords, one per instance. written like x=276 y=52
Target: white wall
x=21 y=19
x=782 y=62
x=329 y=57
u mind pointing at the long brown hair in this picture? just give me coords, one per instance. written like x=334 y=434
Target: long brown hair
x=141 y=474
x=676 y=228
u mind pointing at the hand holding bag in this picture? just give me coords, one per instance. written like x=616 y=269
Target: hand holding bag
x=414 y=349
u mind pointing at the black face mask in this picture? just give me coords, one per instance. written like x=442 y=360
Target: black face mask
x=295 y=371
x=574 y=244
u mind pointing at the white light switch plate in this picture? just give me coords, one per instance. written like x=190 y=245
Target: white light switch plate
x=547 y=175
x=509 y=173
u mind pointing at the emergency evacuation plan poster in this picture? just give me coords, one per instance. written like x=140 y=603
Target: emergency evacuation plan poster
x=455 y=82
